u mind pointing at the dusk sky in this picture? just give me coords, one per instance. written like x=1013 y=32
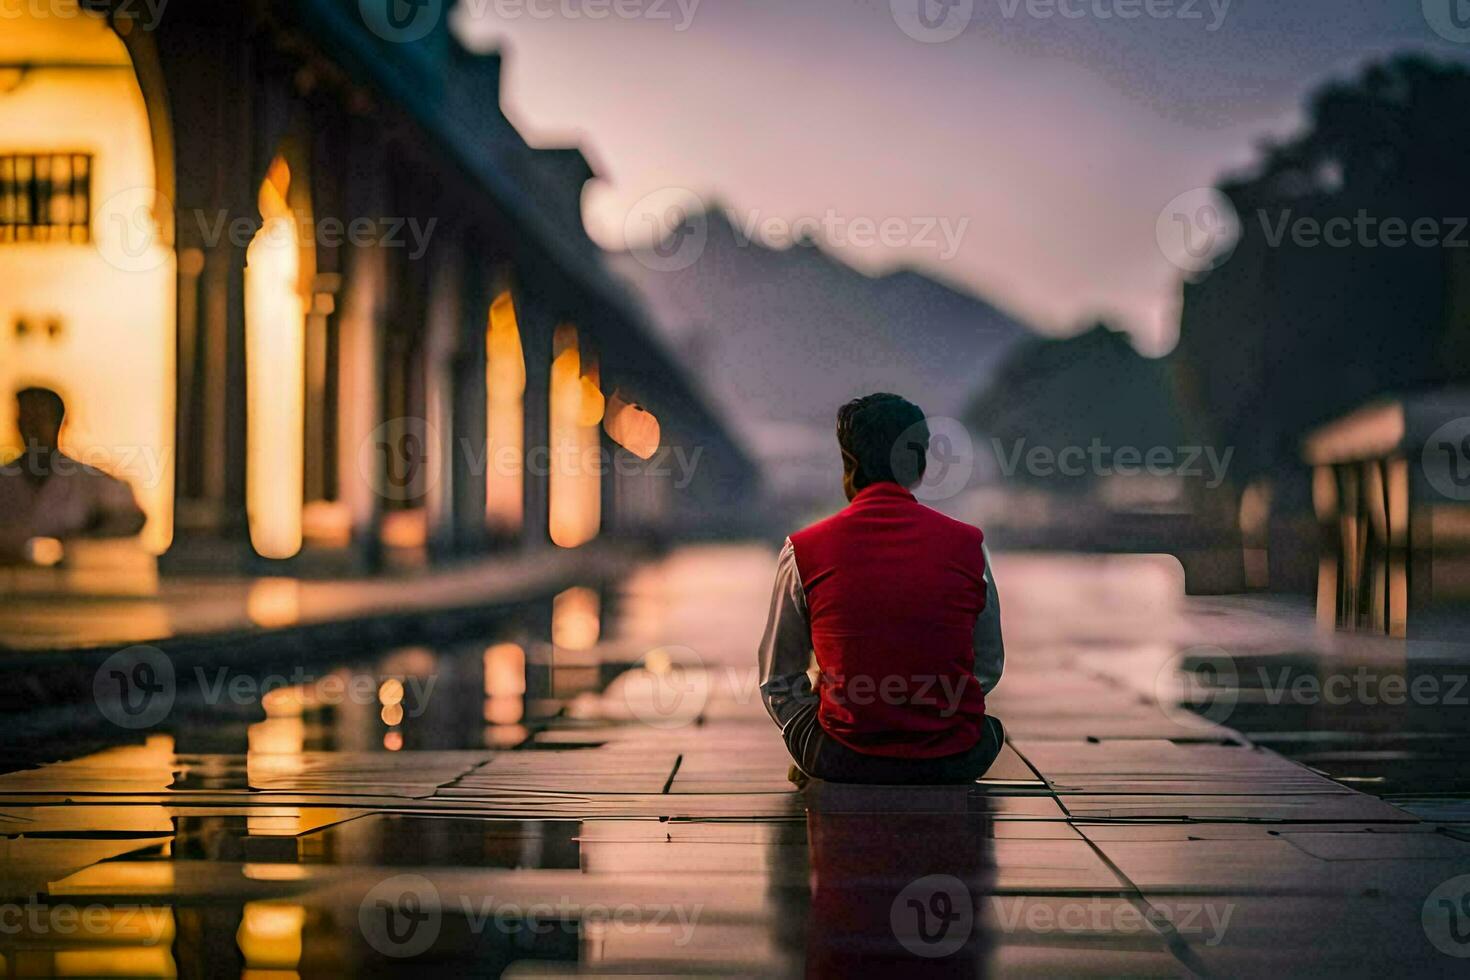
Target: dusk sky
x=1046 y=143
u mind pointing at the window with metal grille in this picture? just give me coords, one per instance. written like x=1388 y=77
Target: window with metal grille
x=45 y=197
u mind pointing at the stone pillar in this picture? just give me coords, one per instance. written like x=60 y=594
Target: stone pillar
x=361 y=325
x=538 y=321
x=212 y=117
x=471 y=457
x=444 y=322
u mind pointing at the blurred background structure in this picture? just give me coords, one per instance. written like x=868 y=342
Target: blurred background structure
x=306 y=287
x=468 y=399
x=311 y=294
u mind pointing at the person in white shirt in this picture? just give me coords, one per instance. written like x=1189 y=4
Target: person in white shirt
x=46 y=494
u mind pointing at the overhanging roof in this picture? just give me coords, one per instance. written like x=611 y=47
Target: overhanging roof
x=1390 y=426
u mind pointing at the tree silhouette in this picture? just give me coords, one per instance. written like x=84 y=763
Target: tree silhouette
x=1292 y=331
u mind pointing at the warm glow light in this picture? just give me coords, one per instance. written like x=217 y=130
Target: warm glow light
x=504 y=710
x=575 y=484
x=392 y=714
x=45 y=552
x=134 y=961
x=269 y=936
x=393 y=741
x=1371 y=432
x=112 y=301
x=505 y=422
x=274 y=602
x=391 y=691
x=505 y=736
x=274 y=872
x=505 y=670
x=575 y=623
x=276 y=744
x=658 y=662
x=632 y=426
x=275 y=372
x=406 y=529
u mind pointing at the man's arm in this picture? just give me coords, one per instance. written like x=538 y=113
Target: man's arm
x=115 y=510
x=990 y=648
x=786 y=647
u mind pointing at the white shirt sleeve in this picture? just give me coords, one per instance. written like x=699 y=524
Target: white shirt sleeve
x=786 y=647
x=990 y=648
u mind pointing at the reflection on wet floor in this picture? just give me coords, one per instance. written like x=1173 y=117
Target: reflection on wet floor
x=1385 y=718
x=596 y=789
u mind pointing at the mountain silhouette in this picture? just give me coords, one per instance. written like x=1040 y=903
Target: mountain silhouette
x=781 y=337
x=1059 y=393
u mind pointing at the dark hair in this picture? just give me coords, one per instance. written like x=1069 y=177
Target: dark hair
x=883 y=438
x=52 y=400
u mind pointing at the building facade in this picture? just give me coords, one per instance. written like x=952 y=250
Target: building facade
x=305 y=287
x=1391 y=490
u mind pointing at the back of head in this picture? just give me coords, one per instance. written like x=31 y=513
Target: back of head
x=884 y=438
x=41 y=413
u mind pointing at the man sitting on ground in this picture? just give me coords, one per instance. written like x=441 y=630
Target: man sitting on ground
x=46 y=494
x=899 y=605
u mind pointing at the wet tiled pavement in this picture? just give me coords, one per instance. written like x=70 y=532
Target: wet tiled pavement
x=615 y=803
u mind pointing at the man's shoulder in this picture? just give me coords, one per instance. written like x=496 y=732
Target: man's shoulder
x=959 y=529
x=821 y=529
x=70 y=466
x=930 y=520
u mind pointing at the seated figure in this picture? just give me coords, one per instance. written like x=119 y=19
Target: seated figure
x=898 y=604
x=45 y=494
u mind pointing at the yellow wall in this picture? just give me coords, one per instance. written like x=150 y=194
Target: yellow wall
x=113 y=360
x=505 y=394
x=575 y=480
x=275 y=371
